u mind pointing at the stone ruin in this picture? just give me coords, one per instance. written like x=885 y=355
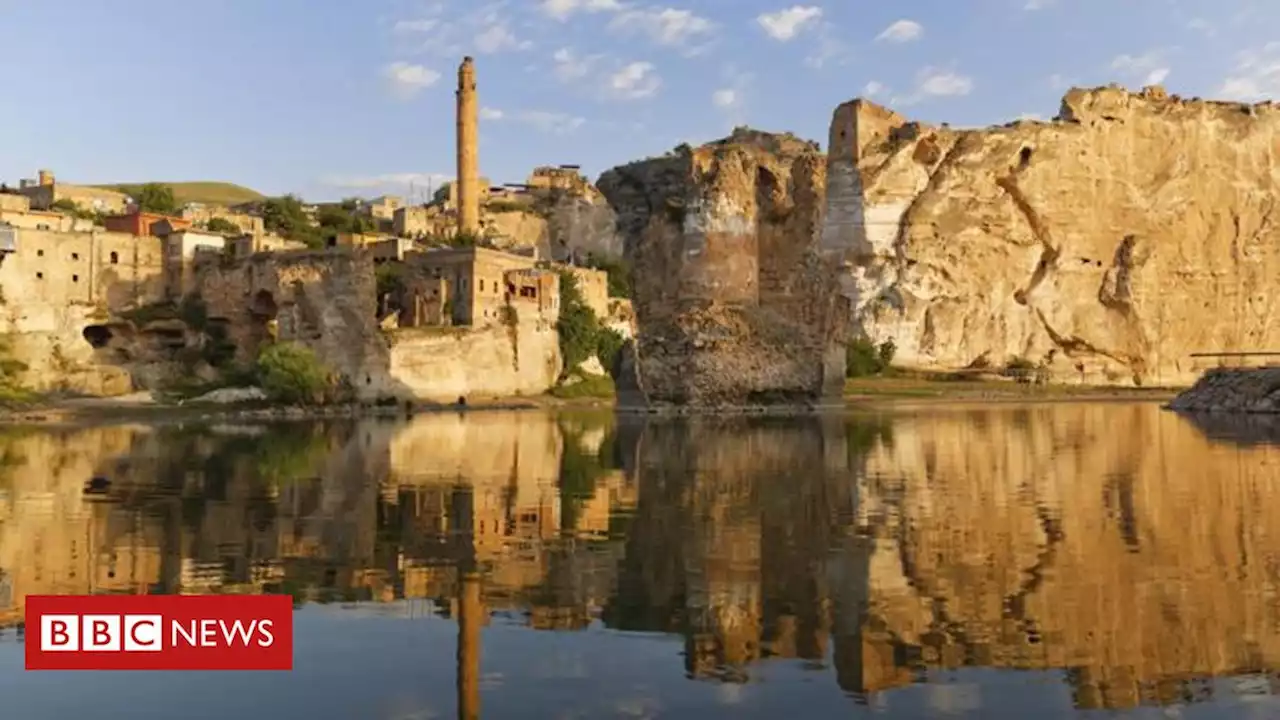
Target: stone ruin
x=736 y=301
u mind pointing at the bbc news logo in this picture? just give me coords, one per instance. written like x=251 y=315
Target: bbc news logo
x=159 y=632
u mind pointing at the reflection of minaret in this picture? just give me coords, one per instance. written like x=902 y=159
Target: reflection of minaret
x=470 y=610
x=468 y=180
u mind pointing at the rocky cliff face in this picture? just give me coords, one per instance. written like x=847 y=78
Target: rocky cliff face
x=735 y=302
x=562 y=224
x=1107 y=245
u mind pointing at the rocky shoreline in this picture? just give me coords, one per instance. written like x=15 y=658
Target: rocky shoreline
x=1249 y=391
x=887 y=395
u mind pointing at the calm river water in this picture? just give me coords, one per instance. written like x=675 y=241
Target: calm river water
x=988 y=561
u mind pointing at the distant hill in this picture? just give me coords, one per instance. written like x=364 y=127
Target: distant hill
x=212 y=193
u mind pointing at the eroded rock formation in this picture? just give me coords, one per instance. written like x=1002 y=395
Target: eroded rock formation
x=1107 y=245
x=735 y=302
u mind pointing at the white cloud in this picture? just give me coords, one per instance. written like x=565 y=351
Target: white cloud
x=1157 y=76
x=784 y=25
x=483 y=28
x=902 y=31
x=634 y=81
x=936 y=83
x=873 y=88
x=563 y=9
x=730 y=99
x=491 y=114
x=1150 y=66
x=606 y=77
x=725 y=98
x=569 y=66
x=944 y=83
x=829 y=48
x=497 y=38
x=550 y=122
x=665 y=26
x=407 y=79
x=1039 y=4
x=402 y=181
x=1256 y=75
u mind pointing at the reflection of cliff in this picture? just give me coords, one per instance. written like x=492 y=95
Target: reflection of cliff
x=1110 y=541
x=1114 y=542
x=727 y=545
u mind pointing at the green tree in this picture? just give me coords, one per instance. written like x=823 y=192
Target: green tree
x=863 y=357
x=223 y=226
x=442 y=193
x=336 y=219
x=577 y=325
x=284 y=216
x=291 y=373
x=67 y=206
x=156 y=198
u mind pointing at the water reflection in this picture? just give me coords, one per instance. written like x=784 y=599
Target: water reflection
x=1115 y=545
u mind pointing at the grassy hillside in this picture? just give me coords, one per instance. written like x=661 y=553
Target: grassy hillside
x=213 y=193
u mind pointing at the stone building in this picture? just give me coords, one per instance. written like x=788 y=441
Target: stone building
x=87 y=268
x=383 y=208
x=349 y=239
x=182 y=250
x=13 y=202
x=473 y=286
x=563 y=177
x=594 y=286
x=45 y=191
x=55 y=286
x=200 y=214
x=145 y=224
x=394 y=249
x=16 y=211
x=417 y=221
x=249 y=244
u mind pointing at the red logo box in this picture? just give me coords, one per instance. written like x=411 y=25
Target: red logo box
x=159 y=632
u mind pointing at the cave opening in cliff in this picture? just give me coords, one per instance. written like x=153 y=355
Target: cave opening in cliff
x=264 y=305
x=98 y=336
x=1024 y=157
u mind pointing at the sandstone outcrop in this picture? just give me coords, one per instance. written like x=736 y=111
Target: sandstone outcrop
x=1232 y=390
x=1107 y=245
x=735 y=302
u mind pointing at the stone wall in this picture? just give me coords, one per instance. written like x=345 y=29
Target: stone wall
x=735 y=302
x=1107 y=245
x=1232 y=390
x=515 y=228
x=444 y=364
x=324 y=300
x=58 y=284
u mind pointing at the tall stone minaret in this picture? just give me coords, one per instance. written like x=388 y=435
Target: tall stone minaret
x=468 y=180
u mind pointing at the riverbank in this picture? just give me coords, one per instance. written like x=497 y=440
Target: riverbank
x=945 y=389
x=859 y=393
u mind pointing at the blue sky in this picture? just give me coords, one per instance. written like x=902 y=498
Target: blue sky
x=329 y=98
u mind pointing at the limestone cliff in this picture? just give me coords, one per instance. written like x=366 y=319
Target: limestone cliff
x=735 y=304
x=1134 y=229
